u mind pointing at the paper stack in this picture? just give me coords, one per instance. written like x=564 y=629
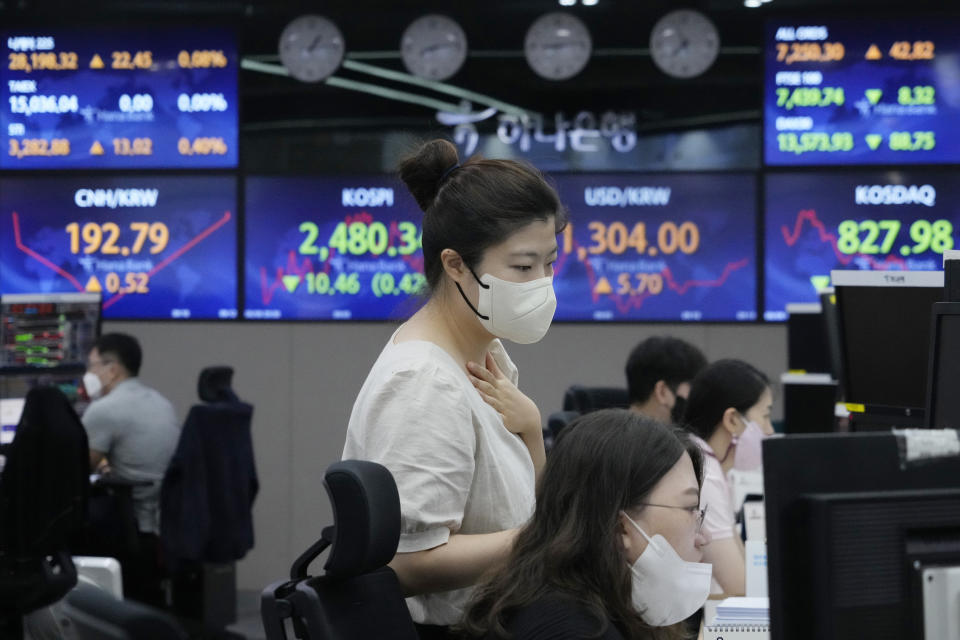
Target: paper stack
x=743 y=611
x=740 y=619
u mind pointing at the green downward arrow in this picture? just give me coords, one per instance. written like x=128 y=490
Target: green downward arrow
x=820 y=282
x=873 y=95
x=291 y=283
x=874 y=140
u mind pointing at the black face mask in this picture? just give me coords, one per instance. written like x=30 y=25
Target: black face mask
x=678 y=409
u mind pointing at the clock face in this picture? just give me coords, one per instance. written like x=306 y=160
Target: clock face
x=557 y=46
x=433 y=47
x=684 y=43
x=311 y=48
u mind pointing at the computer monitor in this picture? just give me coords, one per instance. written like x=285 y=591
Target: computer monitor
x=10 y=411
x=943 y=401
x=851 y=529
x=884 y=319
x=807 y=349
x=831 y=327
x=48 y=330
x=809 y=402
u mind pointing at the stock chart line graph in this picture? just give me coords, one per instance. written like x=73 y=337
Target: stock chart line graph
x=39 y=258
x=600 y=288
x=809 y=217
x=165 y=262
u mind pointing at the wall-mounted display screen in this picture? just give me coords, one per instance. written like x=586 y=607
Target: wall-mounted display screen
x=637 y=248
x=862 y=91
x=344 y=248
x=818 y=222
x=657 y=247
x=153 y=246
x=119 y=98
x=47 y=330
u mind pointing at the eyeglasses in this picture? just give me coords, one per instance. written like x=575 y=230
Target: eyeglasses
x=694 y=511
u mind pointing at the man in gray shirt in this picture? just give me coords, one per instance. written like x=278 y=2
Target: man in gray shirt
x=130 y=427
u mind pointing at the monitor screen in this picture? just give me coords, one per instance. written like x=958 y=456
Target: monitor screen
x=657 y=247
x=119 y=98
x=331 y=248
x=944 y=401
x=885 y=335
x=807 y=348
x=831 y=324
x=851 y=526
x=154 y=246
x=861 y=91
x=10 y=410
x=48 y=330
x=868 y=220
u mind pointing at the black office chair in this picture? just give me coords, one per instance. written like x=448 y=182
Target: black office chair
x=586 y=399
x=43 y=503
x=206 y=503
x=358 y=596
x=558 y=420
x=94 y=614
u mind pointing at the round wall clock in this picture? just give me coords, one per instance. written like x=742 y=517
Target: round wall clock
x=557 y=46
x=684 y=43
x=311 y=48
x=433 y=47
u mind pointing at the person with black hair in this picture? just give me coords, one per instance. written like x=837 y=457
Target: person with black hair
x=728 y=414
x=440 y=408
x=614 y=547
x=133 y=432
x=659 y=371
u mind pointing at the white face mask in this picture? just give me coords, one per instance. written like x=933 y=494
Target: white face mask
x=91 y=382
x=518 y=311
x=667 y=588
x=749 y=453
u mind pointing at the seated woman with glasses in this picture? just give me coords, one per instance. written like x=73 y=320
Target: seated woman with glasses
x=614 y=545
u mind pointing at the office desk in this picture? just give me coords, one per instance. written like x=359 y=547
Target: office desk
x=111 y=521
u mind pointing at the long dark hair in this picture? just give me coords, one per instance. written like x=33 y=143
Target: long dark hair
x=473 y=206
x=602 y=463
x=721 y=385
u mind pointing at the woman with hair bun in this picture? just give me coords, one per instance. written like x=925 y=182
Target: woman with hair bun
x=440 y=408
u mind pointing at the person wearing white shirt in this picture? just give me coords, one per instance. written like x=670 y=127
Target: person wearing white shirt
x=440 y=408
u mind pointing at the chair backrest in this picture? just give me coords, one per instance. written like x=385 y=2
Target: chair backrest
x=214 y=385
x=358 y=596
x=558 y=420
x=208 y=490
x=586 y=399
x=95 y=614
x=45 y=482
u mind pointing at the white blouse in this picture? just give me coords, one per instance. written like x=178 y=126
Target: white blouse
x=457 y=468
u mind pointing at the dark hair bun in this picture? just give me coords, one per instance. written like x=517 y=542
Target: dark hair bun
x=422 y=171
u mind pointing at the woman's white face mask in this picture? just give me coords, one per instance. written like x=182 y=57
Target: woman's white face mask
x=666 y=588
x=749 y=453
x=517 y=311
